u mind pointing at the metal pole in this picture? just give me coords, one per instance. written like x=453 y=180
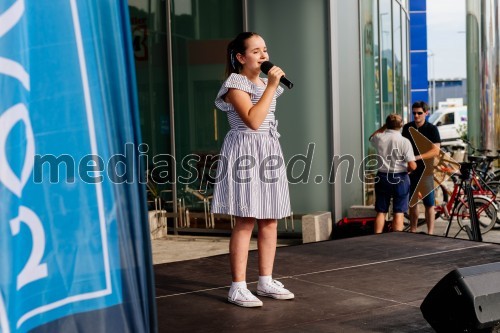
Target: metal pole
x=170 y=67
x=475 y=230
x=433 y=81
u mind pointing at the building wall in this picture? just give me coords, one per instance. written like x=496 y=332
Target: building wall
x=451 y=89
x=324 y=107
x=296 y=34
x=322 y=54
x=350 y=146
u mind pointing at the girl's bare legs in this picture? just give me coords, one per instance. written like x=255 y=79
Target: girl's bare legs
x=268 y=232
x=238 y=247
x=267 y=239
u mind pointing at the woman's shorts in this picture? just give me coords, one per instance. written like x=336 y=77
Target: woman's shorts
x=395 y=186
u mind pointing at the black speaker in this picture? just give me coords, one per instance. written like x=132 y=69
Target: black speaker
x=465 y=300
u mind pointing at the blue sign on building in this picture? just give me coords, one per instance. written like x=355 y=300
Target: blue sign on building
x=418 y=51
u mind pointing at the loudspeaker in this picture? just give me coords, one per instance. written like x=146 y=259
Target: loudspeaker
x=465 y=300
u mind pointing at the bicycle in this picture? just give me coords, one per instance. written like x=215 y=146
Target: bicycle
x=487 y=176
x=484 y=168
x=457 y=205
x=478 y=223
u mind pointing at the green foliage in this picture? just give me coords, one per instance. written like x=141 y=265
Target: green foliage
x=462 y=131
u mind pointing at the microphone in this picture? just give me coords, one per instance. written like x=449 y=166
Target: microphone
x=267 y=65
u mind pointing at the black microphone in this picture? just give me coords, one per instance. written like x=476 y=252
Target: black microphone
x=267 y=65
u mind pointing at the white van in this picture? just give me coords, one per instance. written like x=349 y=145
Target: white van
x=450 y=123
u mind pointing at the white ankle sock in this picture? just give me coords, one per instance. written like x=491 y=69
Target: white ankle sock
x=235 y=285
x=265 y=279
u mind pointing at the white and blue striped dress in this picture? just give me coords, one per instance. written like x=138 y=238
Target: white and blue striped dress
x=251 y=175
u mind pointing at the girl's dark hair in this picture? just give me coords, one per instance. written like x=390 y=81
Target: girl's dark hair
x=236 y=46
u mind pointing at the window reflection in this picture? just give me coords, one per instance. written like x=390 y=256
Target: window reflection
x=405 y=67
x=371 y=84
x=384 y=27
x=387 y=63
x=398 y=89
x=148 y=26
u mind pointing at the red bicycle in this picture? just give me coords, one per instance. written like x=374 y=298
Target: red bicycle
x=455 y=204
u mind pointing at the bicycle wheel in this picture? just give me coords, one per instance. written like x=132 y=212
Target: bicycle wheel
x=495 y=187
x=486 y=212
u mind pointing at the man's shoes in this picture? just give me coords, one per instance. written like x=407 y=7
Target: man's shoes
x=243 y=297
x=274 y=289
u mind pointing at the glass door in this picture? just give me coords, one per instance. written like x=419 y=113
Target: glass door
x=150 y=43
x=150 y=53
x=179 y=51
x=200 y=32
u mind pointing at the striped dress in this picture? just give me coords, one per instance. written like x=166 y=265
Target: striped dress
x=251 y=173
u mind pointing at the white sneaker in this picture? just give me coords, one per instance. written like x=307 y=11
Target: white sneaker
x=244 y=297
x=274 y=289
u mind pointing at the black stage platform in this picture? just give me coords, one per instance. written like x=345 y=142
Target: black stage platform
x=364 y=284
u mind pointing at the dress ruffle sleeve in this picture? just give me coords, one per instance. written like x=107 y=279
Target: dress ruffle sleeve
x=236 y=81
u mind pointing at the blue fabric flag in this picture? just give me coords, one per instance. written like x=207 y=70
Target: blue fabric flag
x=74 y=240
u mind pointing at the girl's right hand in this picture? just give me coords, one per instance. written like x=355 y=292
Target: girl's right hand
x=274 y=75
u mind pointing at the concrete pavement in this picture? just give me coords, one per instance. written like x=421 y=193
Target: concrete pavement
x=179 y=248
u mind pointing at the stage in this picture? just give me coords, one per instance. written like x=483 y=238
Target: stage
x=365 y=284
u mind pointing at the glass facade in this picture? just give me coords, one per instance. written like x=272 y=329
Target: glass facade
x=387 y=57
x=179 y=48
x=385 y=77
x=180 y=58
x=201 y=30
x=148 y=22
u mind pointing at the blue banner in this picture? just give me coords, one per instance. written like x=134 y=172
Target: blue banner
x=64 y=193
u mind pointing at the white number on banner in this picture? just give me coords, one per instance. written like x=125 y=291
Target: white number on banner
x=33 y=270
x=15 y=114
